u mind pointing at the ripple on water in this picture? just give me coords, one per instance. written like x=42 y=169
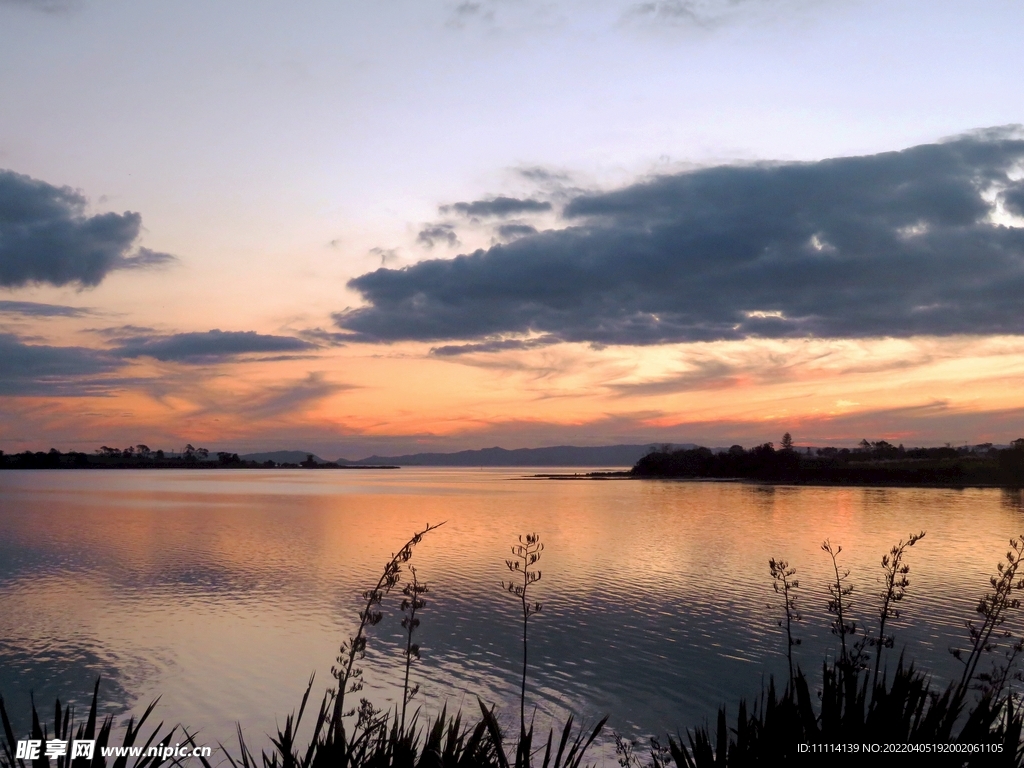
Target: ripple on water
x=222 y=592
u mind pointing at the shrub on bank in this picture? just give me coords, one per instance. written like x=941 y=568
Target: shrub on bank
x=878 y=463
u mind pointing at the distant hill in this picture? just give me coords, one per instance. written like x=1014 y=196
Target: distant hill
x=555 y=456
x=281 y=457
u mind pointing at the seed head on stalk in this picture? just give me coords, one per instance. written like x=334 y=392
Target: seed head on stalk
x=525 y=554
x=348 y=675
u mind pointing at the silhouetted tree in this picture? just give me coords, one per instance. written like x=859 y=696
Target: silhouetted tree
x=195 y=454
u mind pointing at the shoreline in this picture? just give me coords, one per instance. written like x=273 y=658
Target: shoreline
x=204 y=467
x=756 y=481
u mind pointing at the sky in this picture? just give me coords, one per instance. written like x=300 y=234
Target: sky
x=390 y=227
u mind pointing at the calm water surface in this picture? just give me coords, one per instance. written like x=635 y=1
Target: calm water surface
x=222 y=592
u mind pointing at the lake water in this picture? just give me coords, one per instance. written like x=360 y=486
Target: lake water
x=222 y=591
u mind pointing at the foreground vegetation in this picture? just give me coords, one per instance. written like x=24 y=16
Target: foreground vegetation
x=873 y=463
x=857 y=714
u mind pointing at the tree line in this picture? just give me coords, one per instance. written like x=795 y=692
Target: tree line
x=871 y=462
x=133 y=457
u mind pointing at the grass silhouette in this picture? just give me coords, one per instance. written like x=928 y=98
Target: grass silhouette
x=976 y=720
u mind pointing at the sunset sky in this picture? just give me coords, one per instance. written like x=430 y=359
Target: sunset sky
x=394 y=226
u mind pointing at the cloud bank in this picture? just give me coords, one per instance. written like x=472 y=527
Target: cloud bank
x=207 y=346
x=35 y=369
x=498 y=207
x=35 y=309
x=437 y=233
x=895 y=244
x=43 y=370
x=46 y=236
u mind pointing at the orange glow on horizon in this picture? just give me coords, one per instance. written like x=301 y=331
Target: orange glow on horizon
x=820 y=390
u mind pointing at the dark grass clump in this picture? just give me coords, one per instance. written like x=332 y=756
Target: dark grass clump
x=367 y=737
x=975 y=721
x=907 y=710
x=67 y=729
x=362 y=736
x=377 y=740
x=380 y=740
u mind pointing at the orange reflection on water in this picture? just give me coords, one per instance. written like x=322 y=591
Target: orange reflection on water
x=222 y=591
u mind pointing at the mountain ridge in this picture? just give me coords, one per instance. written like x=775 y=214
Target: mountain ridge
x=282 y=457
x=622 y=455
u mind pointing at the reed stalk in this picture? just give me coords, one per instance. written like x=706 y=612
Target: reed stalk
x=781 y=575
x=993 y=608
x=412 y=603
x=354 y=649
x=838 y=590
x=896 y=583
x=525 y=554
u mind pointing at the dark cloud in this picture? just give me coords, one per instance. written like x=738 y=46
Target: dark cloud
x=385 y=254
x=498 y=207
x=46 y=236
x=320 y=337
x=39 y=370
x=894 y=244
x=467 y=12
x=123 y=331
x=34 y=309
x=1013 y=198
x=512 y=231
x=438 y=233
x=144 y=257
x=467 y=9
x=543 y=175
x=494 y=345
x=206 y=347
x=49 y=6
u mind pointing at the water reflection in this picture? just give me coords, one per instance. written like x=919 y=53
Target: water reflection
x=1013 y=499
x=222 y=591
